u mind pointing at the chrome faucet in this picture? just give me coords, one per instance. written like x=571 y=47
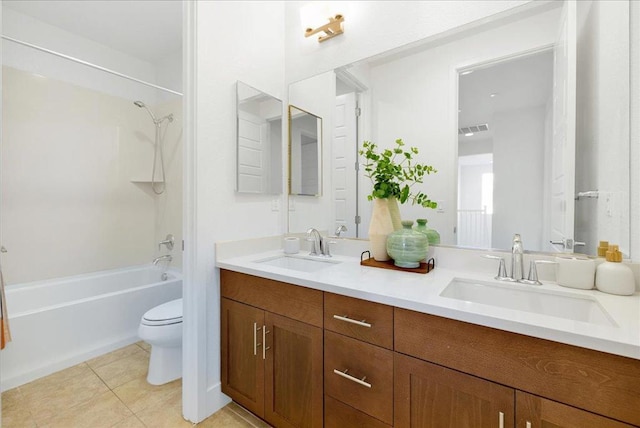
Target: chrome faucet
x=517 y=262
x=166 y=257
x=320 y=245
x=314 y=237
x=340 y=229
x=517 y=265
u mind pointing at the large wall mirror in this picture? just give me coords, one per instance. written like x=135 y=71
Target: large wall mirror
x=305 y=153
x=522 y=116
x=259 y=141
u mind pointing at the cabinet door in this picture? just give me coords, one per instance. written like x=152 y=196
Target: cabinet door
x=293 y=373
x=242 y=363
x=537 y=412
x=428 y=395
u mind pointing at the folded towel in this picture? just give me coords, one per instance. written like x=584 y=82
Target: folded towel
x=5 y=333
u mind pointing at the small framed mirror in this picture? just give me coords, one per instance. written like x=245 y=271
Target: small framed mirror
x=305 y=153
x=259 y=141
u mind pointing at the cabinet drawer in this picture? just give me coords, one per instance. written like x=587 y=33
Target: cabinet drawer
x=367 y=383
x=339 y=415
x=292 y=301
x=360 y=319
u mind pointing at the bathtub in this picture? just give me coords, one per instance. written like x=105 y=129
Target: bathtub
x=62 y=322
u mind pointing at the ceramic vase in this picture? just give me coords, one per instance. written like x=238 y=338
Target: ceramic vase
x=394 y=210
x=407 y=247
x=379 y=228
x=432 y=235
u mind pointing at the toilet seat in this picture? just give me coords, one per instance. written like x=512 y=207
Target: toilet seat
x=165 y=314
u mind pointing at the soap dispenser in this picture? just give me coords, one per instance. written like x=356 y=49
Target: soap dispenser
x=613 y=276
x=603 y=246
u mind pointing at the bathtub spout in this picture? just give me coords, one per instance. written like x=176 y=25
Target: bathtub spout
x=166 y=257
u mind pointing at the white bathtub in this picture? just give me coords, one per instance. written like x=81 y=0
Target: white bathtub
x=61 y=322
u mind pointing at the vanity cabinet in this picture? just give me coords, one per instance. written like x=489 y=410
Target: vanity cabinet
x=272 y=349
x=555 y=385
x=299 y=357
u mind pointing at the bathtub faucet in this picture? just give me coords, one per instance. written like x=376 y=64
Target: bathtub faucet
x=166 y=257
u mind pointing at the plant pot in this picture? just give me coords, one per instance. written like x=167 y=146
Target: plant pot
x=379 y=228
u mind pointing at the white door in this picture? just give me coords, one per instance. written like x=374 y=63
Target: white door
x=561 y=224
x=253 y=133
x=343 y=164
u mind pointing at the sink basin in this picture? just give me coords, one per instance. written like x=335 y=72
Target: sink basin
x=298 y=263
x=515 y=296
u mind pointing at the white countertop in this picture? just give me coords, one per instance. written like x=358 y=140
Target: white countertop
x=421 y=292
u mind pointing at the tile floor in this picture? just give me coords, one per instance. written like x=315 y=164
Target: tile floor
x=109 y=391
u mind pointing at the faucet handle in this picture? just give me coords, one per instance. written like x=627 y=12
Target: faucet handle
x=502 y=269
x=533 y=272
x=168 y=241
x=325 y=244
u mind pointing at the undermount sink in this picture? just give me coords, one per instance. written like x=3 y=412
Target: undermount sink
x=515 y=296
x=298 y=263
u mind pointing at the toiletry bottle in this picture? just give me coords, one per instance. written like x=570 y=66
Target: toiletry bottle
x=602 y=249
x=517 y=262
x=613 y=276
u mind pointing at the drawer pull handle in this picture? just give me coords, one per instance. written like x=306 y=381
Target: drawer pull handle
x=265 y=348
x=345 y=318
x=351 y=378
x=501 y=420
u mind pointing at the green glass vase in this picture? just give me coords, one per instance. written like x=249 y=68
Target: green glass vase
x=432 y=235
x=407 y=247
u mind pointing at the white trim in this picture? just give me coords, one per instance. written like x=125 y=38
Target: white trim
x=194 y=366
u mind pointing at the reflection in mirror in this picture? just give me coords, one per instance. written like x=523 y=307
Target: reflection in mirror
x=413 y=93
x=305 y=153
x=259 y=141
x=504 y=109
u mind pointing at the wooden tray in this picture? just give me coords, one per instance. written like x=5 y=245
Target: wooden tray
x=425 y=267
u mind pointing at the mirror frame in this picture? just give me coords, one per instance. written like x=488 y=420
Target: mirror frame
x=318 y=153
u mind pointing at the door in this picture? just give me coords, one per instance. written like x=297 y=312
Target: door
x=533 y=411
x=242 y=362
x=560 y=227
x=428 y=395
x=343 y=164
x=253 y=134
x=293 y=373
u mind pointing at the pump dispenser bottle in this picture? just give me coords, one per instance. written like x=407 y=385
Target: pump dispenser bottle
x=613 y=276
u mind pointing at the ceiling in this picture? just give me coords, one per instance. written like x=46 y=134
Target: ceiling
x=146 y=29
x=517 y=83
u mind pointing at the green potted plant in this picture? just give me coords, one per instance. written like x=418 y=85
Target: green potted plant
x=394 y=173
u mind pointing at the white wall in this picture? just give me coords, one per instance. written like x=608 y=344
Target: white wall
x=375 y=27
x=602 y=134
x=518 y=192
x=235 y=41
x=634 y=95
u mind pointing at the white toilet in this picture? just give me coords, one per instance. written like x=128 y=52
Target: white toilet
x=161 y=327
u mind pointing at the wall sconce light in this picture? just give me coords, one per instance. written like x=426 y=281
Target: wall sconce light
x=331 y=29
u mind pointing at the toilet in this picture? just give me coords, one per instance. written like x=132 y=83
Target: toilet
x=161 y=327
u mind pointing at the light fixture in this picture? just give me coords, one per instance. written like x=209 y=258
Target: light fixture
x=469 y=134
x=331 y=29
x=493 y=95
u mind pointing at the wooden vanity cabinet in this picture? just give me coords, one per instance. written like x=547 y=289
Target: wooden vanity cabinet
x=556 y=385
x=272 y=349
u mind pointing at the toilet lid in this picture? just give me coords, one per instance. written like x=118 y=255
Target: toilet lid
x=167 y=313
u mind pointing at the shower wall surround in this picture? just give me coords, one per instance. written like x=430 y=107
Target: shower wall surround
x=76 y=153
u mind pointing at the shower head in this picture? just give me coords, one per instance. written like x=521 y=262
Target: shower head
x=143 y=105
x=157 y=122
